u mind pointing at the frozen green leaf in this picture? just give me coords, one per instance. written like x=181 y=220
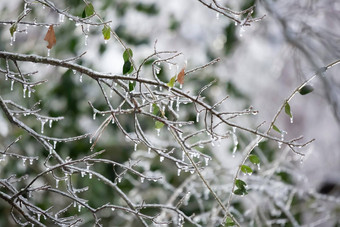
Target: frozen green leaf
x=127 y=54
x=106 y=31
x=246 y=169
x=254 y=159
x=159 y=125
x=155 y=109
x=276 y=129
x=172 y=81
x=127 y=68
x=240 y=183
x=89 y=10
x=229 y=222
x=241 y=191
x=132 y=85
x=13 y=29
x=306 y=89
x=287 y=110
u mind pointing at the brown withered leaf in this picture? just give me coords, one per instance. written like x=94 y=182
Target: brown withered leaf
x=50 y=37
x=180 y=76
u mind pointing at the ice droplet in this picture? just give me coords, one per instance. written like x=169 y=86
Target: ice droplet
x=31 y=161
x=50 y=123
x=178 y=172
x=54 y=144
x=217 y=16
x=242 y=30
x=291 y=120
x=149 y=150
x=94 y=116
x=301 y=159
x=61 y=18
x=119 y=179
x=111 y=92
x=90 y=175
x=88 y=27
x=113 y=209
x=161 y=158
x=48 y=52
x=105 y=41
x=12 y=83
x=43 y=122
x=38 y=216
x=56 y=183
x=81 y=78
x=158 y=132
x=198 y=117
x=79 y=207
x=24 y=161
x=142 y=179
x=258 y=166
x=177 y=104
x=135 y=147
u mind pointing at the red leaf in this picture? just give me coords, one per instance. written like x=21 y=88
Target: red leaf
x=50 y=37
x=180 y=76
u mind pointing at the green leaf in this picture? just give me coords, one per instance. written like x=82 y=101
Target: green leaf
x=172 y=81
x=241 y=191
x=240 y=183
x=127 y=54
x=127 y=68
x=306 y=89
x=287 y=110
x=254 y=159
x=13 y=29
x=246 y=169
x=106 y=31
x=229 y=222
x=159 y=125
x=89 y=10
x=276 y=129
x=132 y=85
x=155 y=109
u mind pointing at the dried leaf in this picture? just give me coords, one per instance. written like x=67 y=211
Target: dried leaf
x=180 y=76
x=50 y=37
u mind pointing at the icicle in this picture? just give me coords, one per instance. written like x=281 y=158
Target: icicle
x=158 y=132
x=88 y=27
x=50 y=149
x=113 y=120
x=217 y=16
x=54 y=144
x=90 y=139
x=160 y=88
x=161 y=158
x=11 y=43
x=24 y=91
x=61 y=18
x=29 y=194
x=38 y=216
x=25 y=8
x=111 y=92
x=85 y=40
x=142 y=179
x=12 y=83
x=258 y=166
x=150 y=108
x=206 y=161
x=56 y=183
x=119 y=179
x=74 y=71
x=24 y=161
x=26 y=29
x=291 y=120
x=113 y=209
x=43 y=122
x=180 y=86
x=74 y=203
x=135 y=147
x=81 y=78
x=242 y=30
x=192 y=171
x=178 y=172
x=82 y=173
x=90 y=175
x=31 y=161
x=105 y=41
x=79 y=207
x=235 y=141
x=50 y=123
x=177 y=104
x=94 y=115
x=48 y=52
x=29 y=91
x=197 y=117
x=149 y=150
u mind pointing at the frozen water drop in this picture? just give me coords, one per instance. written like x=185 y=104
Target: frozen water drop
x=113 y=209
x=135 y=147
x=50 y=123
x=119 y=179
x=301 y=159
x=81 y=78
x=206 y=161
x=74 y=71
x=24 y=161
x=258 y=166
x=56 y=183
x=24 y=91
x=198 y=117
x=85 y=40
x=161 y=158
x=31 y=161
x=158 y=132
x=79 y=207
x=94 y=116
x=217 y=16
x=48 y=52
x=178 y=172
x=61 y=18
x=90 y=175
x=54 y=144
x=291 y=120
x=105 y=41
x=180 y=86
x=111 y=92
x=149 y=150
x=142 y=179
